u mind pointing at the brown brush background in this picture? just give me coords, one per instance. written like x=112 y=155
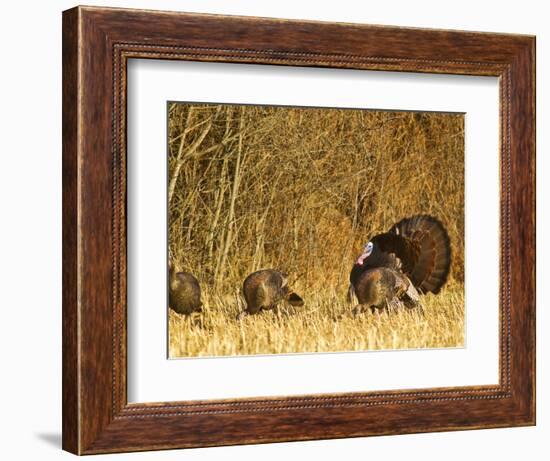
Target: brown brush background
x=301 y=190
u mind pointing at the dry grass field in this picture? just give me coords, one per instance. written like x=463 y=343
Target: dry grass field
x=324 y=324
x=302 y=190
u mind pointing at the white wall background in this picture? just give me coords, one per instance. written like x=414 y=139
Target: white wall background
x=30 y=232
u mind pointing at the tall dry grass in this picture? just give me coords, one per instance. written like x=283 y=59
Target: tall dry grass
x=302 y=190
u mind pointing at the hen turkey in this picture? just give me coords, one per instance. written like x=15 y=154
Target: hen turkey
x=412 y=258
x=266 y=288
x=184 y=292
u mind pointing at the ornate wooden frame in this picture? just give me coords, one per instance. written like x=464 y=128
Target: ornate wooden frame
x=97 y=43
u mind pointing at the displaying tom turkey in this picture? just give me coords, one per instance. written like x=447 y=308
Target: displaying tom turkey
x=412 y=258
x=184 y=292
x=264 y=289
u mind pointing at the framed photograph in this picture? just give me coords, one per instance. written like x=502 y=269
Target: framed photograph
x=284 y=230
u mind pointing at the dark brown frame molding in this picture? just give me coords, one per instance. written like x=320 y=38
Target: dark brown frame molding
x=97 y=43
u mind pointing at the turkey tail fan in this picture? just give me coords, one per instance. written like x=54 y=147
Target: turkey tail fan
x=431 y=268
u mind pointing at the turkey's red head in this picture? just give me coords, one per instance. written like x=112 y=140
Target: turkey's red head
x=367 y=251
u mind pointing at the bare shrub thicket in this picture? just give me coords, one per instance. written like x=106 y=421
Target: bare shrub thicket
x=303 y=189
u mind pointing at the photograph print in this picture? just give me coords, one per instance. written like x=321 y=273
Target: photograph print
x=303 y=230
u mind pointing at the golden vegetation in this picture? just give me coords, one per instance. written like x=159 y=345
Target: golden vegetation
x=324 y=324
x=302 y=190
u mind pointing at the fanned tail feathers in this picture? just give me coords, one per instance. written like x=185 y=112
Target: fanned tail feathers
x=431 y=268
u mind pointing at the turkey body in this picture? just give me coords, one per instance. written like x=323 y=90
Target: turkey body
x=378 y=288
x=184 y=292
x=264 y=289
x=412 y=258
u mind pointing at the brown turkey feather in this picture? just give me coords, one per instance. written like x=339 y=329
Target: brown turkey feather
x=427 y=255
x=264 y=289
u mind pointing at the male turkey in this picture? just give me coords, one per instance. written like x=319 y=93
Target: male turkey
x=264 y=289
x=412 y=258
x=184 y=292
